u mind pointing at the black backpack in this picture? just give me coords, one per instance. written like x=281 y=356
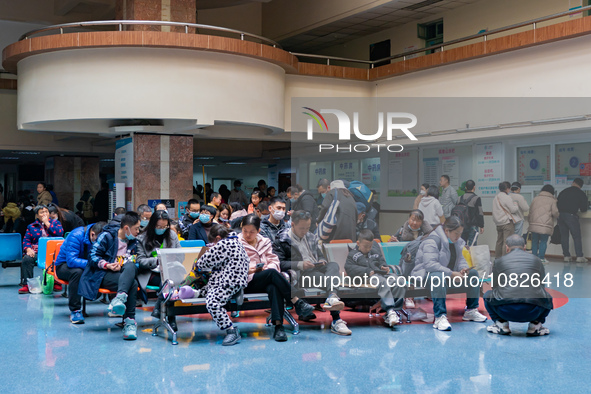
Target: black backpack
x=462 y=211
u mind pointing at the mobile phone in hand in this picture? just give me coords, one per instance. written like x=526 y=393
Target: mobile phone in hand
x=260 y=266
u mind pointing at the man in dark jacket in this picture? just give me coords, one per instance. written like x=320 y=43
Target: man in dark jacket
x=298 y=250
x=274 y=223
x=306 y=202
x=570 y=201
x=476 y=215
x=112 y=266
x=513 y=302
x=190 y=217
x=346 y=226
x=71 y=261
x=367 y=261
x=200 y=230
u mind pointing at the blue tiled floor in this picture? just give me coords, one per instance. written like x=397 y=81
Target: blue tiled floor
x=43 y=352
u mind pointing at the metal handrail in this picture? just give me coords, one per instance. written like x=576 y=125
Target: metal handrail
x=485 y=34
x=242 y=34
x=122 y=23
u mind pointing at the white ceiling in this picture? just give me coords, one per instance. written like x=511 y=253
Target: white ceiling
x=392 y=14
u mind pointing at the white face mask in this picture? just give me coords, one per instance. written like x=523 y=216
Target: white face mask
x=278 y=215
x=422 y=192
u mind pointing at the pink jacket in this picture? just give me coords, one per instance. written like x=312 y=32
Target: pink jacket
x=263 y=253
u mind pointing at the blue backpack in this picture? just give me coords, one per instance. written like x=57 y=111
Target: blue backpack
x=361 y=192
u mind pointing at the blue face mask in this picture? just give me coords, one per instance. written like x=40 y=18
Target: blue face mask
x=193 y=215
x=143 y=223
x=450 y=241
x=160 y=231
x=204 y=218
x=223 y=220
x=323 y=195
x=130 y=237
x=293 y=200
x=237 y=189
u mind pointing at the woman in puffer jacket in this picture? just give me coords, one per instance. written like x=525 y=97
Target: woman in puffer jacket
x=542 y=214
x=11 y=213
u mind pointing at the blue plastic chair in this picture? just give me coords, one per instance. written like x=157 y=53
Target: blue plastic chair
x=192 y=243
x=11 y=247
x=41 y=253
x=393 y=251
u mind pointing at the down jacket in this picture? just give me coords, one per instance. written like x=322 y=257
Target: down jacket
x=359 y=264
x=542 y=213
x=434 y=254
x=75 y=249
x=262 y=253
x=228 y=262
x=290 y=257
x=146 y=263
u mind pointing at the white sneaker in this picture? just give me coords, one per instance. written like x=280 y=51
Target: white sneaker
x=340 y=327
x=581 y=260
x=392 y=318
x=409 y=303
x=441 y=323
x=545 y=262
x=333 y=304
x=474 y=315
x=499 y=328
x=568 y=259
x=536 y=330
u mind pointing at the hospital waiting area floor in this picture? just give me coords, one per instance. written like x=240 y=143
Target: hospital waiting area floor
x=42 y=352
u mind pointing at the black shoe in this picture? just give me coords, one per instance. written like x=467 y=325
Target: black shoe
x=156 y=312
x=302 y=308
x=232 y=337
x=172 y=323
x=311 y=316
x=280 y=335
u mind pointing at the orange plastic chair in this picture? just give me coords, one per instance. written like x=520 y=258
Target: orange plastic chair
x=53 y=250
x=341 y=241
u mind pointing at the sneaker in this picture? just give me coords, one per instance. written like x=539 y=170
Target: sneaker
x=76 y=317
x=57 y=287
x=441 y=323
x=232 y=337
x=117 y=305
x=568 y=259
x=536 y=330
x=409 y=303
x=392 y=318
x=24 y=290
x=545 y=262
x=499 y=328
x=156 y=312
x=474 y=315
x=333 y=303
x=303 y=309
x=340 y=327
x=581 y=260
x=129 y=329
x=279 y=335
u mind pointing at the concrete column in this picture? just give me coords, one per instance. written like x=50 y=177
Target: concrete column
x=157 y=10
x=162 y=168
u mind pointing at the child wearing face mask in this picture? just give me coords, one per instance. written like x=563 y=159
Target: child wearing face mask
x=200 y=230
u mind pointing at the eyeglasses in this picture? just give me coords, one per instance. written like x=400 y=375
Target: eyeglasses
x=161 y=228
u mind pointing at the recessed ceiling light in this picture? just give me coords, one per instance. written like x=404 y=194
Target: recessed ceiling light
x=107 y=159
x=9 y=158
x=25 y=152
x=203 y=158
x=236 y=163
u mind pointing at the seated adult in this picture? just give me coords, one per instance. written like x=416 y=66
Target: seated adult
x=238 y=212
x=216 y=200
x=367 y=260
x=274 y=223
x=157 y=235
x=120 y=211
x=262 y=209
x=414 y=228
x=67 y=218
x=440 y=259
x=43 y=226
x=160 y=207
x=517 y=303
x=201 y=229
x=431 y=207
x=264 y=275
x=223 y=215
x=145 y=213
x=364 y=223
x=190 y=217
x=298 y=250
x=111 y=266
x=71 y=261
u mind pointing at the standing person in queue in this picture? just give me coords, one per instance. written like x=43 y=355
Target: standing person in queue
x=570 y=201
x=422 y=193
x=521 y=204
x=449 y=196
x=44 y=197
x=431 y=207
x=543 y=212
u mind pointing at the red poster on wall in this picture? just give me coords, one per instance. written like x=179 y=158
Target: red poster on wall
x=585 y=169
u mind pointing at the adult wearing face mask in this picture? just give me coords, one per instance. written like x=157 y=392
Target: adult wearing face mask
x=190 y=217
x=422 y=193
x=440 y=257
x=413 y=228
x=145 y=213
x=71 y=261
x=323 y=187
x=272 y=224
x=201 y=229
x=238 y=195
x=158 y=235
